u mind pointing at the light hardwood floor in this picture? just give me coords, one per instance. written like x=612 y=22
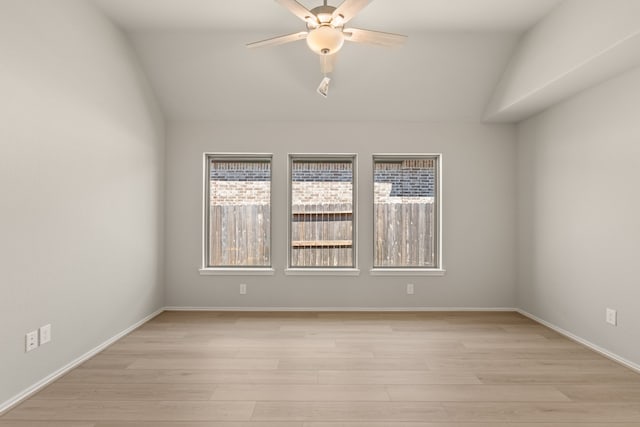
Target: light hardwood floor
x=197 y=369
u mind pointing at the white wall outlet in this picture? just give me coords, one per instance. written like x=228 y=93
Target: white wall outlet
x=243 y=288
x=612 y=317
x=31 y=341
x=45 y=334
x=409 y=288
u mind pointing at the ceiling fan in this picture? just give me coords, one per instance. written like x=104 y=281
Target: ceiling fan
x=326 y=33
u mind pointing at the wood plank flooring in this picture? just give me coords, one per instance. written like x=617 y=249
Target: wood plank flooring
x=223 y=369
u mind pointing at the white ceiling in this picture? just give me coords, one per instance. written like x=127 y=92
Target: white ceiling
x=212 y=76
x=403 y=15
x=193 y=52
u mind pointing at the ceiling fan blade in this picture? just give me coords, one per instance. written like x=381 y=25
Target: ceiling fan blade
x=297 y=9
x=274 y=41
x=327 y=63
x=349 y=8
x=373 y=37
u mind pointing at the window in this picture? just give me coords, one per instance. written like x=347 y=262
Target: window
x=237 y=211
x=406 y=212
x=322 y=212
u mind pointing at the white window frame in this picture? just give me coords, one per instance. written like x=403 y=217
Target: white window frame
x=327 y=271
x=438 y=270
x=244 y=270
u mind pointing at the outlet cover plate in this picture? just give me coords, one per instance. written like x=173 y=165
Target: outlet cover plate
x=243 y=288
x=31 y=342
x=410 y=289
x=45 y=334
x=612 y=317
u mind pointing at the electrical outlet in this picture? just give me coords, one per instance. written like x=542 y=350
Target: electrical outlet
x=612 y=317
x=409 y=288
x=243 y=288
x=45 y=334
x=31 y=341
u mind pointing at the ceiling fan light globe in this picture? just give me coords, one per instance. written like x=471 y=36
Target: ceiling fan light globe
x=325 y=40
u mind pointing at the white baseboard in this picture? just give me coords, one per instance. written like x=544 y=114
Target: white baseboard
x=604 y=352
x=5 y=406
x=341 y=309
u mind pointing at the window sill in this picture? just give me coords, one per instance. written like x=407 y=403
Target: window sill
x=407 y=272
x=231 y=271
x=322 y=272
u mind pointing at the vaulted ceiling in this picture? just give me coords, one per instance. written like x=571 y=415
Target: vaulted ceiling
x=195 y=56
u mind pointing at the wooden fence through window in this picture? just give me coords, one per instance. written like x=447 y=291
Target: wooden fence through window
x=404 y=235
x=240 y=235
x=321 y=235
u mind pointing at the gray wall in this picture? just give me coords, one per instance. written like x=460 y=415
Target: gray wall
x=579 y=214
x=478 y=201
x=81 y=158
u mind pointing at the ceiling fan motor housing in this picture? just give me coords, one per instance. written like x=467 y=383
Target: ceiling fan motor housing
x=323 y=14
